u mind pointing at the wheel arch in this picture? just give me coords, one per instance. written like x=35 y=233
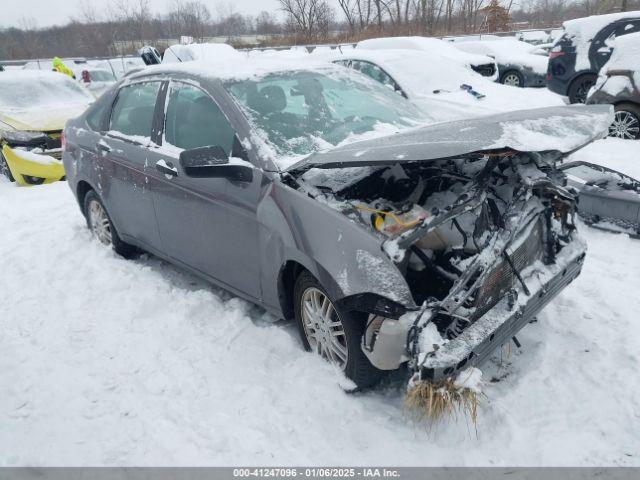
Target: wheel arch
x=82 y=189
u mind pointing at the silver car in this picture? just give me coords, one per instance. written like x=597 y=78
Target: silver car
x=317 y=194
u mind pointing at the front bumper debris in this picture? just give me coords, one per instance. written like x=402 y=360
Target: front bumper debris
x=29 y=168
x=498 y=326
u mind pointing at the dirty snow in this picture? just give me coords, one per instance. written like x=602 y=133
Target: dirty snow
x=105 y=361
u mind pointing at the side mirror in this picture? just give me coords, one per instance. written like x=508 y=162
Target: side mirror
x=213 y=162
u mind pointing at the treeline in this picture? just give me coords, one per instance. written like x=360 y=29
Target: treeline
x=124 y=24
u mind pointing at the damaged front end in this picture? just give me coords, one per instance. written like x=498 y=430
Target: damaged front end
x=31 y=158
x=484 y=242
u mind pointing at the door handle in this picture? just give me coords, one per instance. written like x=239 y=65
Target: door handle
x=167 y=169
x=103 y=147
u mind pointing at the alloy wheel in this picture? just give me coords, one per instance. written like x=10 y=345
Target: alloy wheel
x=583 y=90
x=625 y=125
x=323 y=328
x=100 y=224
x=512 y=79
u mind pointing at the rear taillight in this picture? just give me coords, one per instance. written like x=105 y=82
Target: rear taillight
x=63 y=141
x=553 y=55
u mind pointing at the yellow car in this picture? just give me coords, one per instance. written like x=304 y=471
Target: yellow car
x=34 y=107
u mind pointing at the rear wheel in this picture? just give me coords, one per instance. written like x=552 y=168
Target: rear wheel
x=100 y=224
x=4 y=169
x=331 y=333
x=580 y=87
x=626 y=123
x=512 y=78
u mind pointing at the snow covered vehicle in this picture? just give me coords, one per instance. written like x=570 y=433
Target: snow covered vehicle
x=438 y=50
x=323 y=197
x=517 y=65
x=447 y=91
x=619 y=85
x=585 y=46
x=34 y=106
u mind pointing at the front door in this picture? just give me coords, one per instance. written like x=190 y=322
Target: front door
x=208 y=224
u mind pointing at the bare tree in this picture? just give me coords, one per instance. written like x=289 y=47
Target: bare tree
x=311 y=19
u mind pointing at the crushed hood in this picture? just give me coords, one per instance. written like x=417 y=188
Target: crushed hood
x=45 y=119
x=562 y=129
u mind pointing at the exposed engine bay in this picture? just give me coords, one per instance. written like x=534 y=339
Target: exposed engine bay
x=461 y=231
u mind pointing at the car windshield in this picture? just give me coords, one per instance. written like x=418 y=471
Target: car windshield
x=304 y=111
x=27 y=92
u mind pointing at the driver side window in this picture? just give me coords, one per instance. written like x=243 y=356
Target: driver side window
x=194 y=120
x=376 y=73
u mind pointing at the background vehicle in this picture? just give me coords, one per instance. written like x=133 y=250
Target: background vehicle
x=439 y=51
x=252 y=178
x=34 y=106
x=619 y=85
x=97 y=80
x=437 y=91
x=517 y=66
x=582 y=51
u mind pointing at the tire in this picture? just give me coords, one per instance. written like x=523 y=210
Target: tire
x=513 y=78
x=4 y=169
x=99 y=222
x=579 y=88
x=627 y=122
x=352 y=325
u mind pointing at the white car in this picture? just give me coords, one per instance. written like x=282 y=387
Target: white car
x=438 y=50
x=518 y=66
x=445 y=90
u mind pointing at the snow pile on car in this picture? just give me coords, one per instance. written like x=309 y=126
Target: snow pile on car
x=508 y=51
x=582 y=31
x=200 y=52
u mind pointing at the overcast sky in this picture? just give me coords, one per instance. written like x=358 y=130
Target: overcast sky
x=57 y=12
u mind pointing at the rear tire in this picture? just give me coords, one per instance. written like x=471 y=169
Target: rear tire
x=627 y=122
x=101 y=226
x=347 y=328
x=580 y=87
x=512 y=78
x=4 y=169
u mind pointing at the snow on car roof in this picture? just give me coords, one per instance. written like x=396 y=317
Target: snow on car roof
x=588 y=27
x=434 y=47
x=199 y=51
x=240 y=67
x=626 y=54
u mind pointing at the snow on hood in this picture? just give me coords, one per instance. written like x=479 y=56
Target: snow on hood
x=562 y=129
x=582 y=30
x=40 y=100
x=436 y=48
x=200 y=51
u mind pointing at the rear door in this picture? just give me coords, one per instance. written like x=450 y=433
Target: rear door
x=209 y=224
x=127 y=146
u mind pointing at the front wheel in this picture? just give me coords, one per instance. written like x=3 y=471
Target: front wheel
x=100 y=224
x=331 y=333
x=626 y=123
x=512 y=78
x=580 y=87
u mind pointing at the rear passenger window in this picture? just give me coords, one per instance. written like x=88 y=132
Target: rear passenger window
x=134 y=109
x=194 y=120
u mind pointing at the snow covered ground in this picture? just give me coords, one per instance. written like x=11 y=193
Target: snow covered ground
x=105 y=361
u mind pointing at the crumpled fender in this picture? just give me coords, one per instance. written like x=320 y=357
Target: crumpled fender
x=23 y=163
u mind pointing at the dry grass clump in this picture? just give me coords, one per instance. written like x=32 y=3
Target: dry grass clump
x=433 y=401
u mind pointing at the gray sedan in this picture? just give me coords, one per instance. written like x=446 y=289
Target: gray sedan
x=317 y=194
